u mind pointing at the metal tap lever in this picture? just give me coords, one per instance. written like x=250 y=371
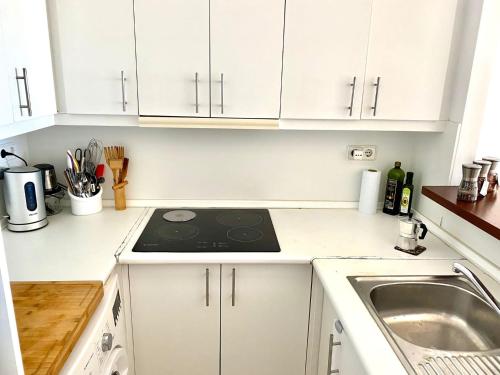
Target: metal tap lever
x=478 y=285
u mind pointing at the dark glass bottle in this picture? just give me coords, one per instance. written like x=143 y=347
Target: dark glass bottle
x=407 y=195
x=393 y=188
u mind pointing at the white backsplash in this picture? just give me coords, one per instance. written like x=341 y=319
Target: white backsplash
x=231 y=164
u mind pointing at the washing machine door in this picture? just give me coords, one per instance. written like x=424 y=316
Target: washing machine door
x=117 y=363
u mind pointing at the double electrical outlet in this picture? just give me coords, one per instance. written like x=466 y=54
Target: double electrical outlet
x=362 y=152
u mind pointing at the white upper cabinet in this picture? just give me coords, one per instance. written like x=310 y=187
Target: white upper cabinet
x=409 y=51
x=94 y=56
x=246 y=40
x=6 y=115
x=172 y=38
x=29 y=66
x=325 y=58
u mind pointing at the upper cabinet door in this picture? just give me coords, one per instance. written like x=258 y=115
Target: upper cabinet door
x=325 y=58
x=94 y=61
x=246 y=57
x=408 y=56
x=30 y=64
x=6 y=115
x=172 y=39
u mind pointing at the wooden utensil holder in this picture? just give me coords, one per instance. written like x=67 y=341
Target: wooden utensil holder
x=120 y=198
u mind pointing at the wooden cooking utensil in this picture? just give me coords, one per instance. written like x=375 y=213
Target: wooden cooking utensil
x=120 y=198
x=124 y=171
x=118 y=163
x=116 y=166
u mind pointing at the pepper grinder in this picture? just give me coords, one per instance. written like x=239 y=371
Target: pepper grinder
x=483 y=175
x=468 y=189
x=492 y=174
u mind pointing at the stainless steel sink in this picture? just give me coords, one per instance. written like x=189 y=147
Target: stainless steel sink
x=436 y=324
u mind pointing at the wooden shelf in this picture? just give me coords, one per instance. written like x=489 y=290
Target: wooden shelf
x=484 y=214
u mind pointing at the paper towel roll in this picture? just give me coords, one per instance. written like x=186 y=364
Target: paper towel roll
x=368 y=196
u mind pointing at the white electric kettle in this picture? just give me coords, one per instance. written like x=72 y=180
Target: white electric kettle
x=24 y=199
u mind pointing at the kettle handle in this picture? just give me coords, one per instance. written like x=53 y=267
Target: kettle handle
x=424 y=231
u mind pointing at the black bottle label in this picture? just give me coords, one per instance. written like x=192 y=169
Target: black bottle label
x=390 y=194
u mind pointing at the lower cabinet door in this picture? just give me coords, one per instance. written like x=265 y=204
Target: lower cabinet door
x=264 y=315
x=336 y=352
x=176 y=319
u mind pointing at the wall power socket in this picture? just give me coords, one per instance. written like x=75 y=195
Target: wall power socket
x=362 y=152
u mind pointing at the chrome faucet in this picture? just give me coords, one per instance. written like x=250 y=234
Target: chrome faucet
x=471 y=276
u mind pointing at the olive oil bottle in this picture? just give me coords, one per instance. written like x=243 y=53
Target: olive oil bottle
x=407 y=195
x=393 y=188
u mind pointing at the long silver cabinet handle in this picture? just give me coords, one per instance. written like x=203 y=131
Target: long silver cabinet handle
x=207 y=287
x=24 y=78
x=124 y=101
x=330 y=352
x=222 y=95
x=233 y=288
x=196 y=91
x=353 y=86
x=377 y=89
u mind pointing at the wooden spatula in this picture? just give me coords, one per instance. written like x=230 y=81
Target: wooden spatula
x=116 y=166
x=124 y=171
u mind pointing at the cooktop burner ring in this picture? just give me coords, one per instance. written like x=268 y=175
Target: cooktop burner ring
x=244 y=234
x=178 y=232
x=179 y=216
x=239 y=219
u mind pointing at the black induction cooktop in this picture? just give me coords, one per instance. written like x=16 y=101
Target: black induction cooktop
x=208 y=230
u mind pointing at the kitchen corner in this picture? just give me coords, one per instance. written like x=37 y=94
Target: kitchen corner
x=70 y=247
x=234 y=187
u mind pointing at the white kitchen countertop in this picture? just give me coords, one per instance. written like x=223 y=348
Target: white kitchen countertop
x=70 y=247
x=373 y=349
x=305 y=234
x=84 y=247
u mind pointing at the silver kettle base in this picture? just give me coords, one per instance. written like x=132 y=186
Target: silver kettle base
x=27 y=227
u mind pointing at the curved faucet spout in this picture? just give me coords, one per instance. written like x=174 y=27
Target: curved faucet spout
x=478 y=285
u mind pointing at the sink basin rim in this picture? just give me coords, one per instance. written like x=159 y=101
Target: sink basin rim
x=364 y=285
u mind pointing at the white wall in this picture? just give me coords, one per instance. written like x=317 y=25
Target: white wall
x=439 y=159
x=231 y=164
x=483 y=67
x=490 y=131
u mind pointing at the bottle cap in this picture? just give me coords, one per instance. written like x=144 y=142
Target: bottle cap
x=397 y=164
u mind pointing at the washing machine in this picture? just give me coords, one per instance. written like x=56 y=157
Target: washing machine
x=101 y=349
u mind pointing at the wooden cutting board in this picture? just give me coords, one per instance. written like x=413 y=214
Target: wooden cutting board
x=50 y=318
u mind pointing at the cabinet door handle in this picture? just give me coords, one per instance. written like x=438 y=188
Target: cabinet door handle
x=222 y=95
x=233 y=289
x=207 y=287
x=330 y=352
x=24 y=78
x=124 y=102
x=353 y=85
x=196 y=91
x=377 y=89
